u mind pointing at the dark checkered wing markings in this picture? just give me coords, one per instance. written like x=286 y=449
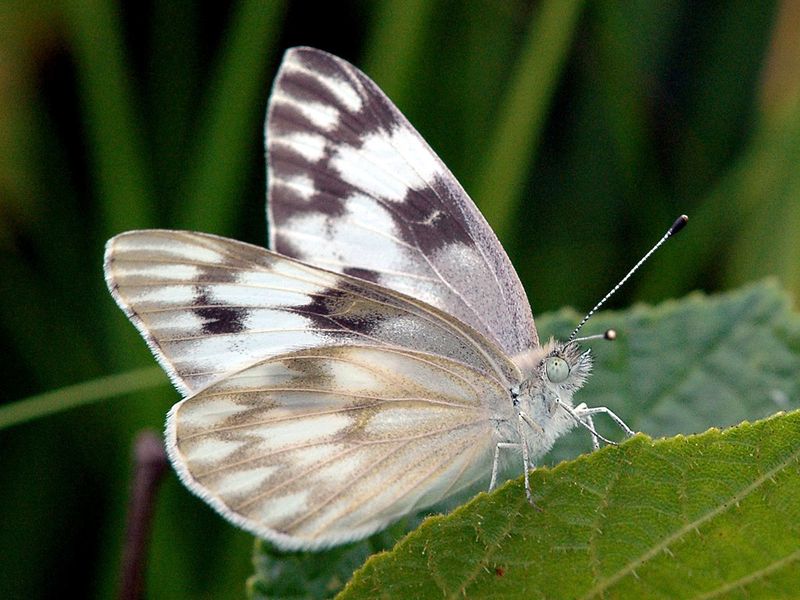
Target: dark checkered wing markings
x=309 y=238
x=208 y=306
x=379 y=173
x=378 y=170
x=320 y=446
x=347 y=170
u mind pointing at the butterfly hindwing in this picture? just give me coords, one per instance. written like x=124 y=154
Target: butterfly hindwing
x=325 y=445
x=355 y=189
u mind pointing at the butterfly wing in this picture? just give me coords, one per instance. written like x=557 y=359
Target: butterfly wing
x=327 y=445
x=208 y=306
x=353 y=188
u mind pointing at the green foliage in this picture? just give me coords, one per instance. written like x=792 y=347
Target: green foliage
x=699 y=362
x=710 y=515
x=315 y=575
x=683 y=366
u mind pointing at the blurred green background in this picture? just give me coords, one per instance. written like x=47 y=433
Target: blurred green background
x=581 y=129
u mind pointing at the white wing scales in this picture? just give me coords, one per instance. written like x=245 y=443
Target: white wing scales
x=327 y=445
x=208 y=306
x=354 y=188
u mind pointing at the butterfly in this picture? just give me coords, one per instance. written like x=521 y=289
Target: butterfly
x=380 y=357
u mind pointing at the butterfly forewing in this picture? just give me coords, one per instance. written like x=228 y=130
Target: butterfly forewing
x=354 y=188
x=209 y=305
x=326 y=445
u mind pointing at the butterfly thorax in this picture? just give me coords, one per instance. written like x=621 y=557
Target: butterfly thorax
x=551 y=375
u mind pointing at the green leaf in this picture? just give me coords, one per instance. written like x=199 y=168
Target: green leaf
x=680 y=367
x=687 y=365
x=715 y=514
x=313 y=574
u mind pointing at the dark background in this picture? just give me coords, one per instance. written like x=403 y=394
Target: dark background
x=582 y=129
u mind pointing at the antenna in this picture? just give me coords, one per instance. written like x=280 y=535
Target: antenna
x=679 y=224
x=608 y=334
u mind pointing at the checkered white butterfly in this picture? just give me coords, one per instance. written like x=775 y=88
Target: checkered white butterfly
x=379 y=358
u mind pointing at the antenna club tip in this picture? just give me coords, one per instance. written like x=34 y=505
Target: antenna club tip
x=610 y=334
x=679 y=224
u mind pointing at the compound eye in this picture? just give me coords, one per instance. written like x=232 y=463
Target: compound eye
x=556 y=368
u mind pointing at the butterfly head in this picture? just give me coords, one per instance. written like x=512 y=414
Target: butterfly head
x=550 y=376
x=557 y=368
x=565 y=367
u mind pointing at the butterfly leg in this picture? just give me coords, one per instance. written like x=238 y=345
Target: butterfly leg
x=583 y=411
x=522 y=420
x=496 y=462
x=579 y=410
x=581 y=420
